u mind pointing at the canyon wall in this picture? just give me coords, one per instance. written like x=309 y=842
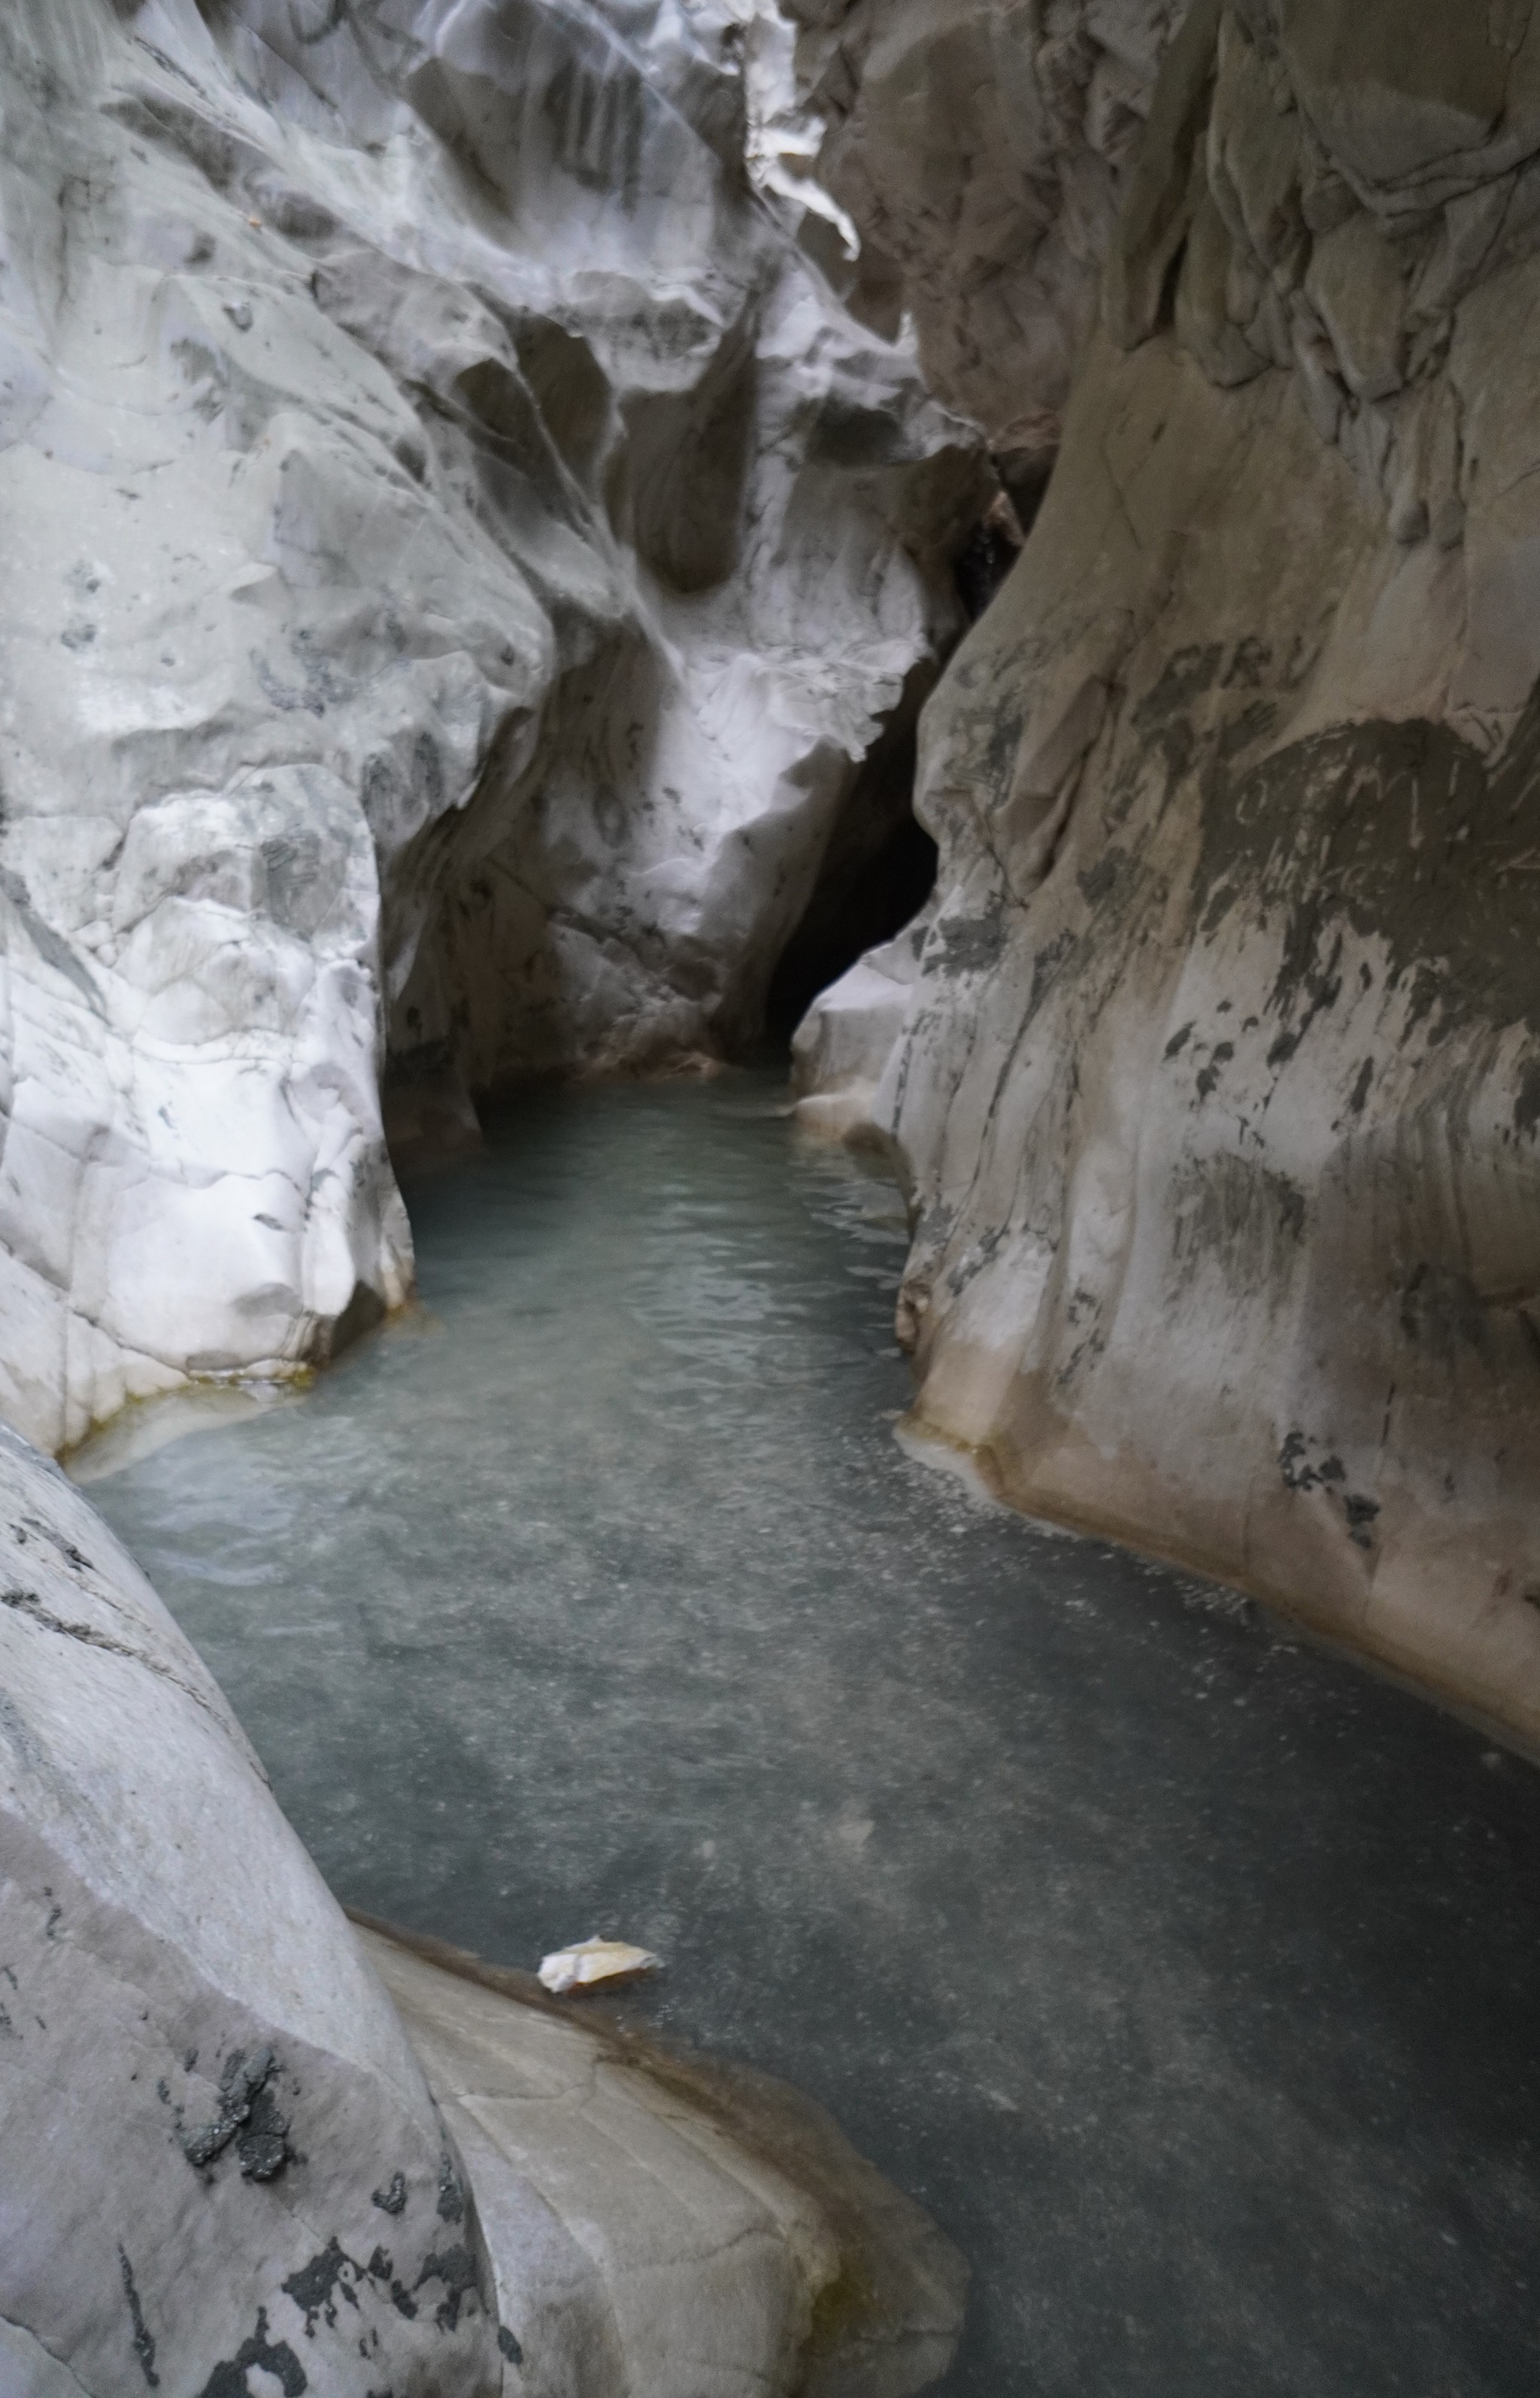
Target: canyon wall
x=224 y=2169
x=982 y=148
x=1214 y=1069
x=460 y=551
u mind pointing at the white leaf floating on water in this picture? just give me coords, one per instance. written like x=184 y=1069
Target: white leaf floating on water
x=594 y=1960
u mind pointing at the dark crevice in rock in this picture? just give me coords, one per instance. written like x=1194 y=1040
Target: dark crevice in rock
x=877 y=873
x=987 y=557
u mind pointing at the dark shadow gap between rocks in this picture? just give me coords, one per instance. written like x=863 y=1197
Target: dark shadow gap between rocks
x=877 y=873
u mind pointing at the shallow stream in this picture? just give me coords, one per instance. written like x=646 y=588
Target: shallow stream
x=1191 y=1978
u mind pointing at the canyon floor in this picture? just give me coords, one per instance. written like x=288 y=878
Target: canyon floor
x=1185 y=1974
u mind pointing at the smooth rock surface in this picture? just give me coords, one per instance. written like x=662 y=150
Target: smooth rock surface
x=663 y=2230
x=1217 y=1090
x=845 y=1039
x=461 y=551
x=224 y=2169
x=981 y=147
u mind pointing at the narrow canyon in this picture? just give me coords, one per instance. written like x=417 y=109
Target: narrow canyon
x=770 y=1141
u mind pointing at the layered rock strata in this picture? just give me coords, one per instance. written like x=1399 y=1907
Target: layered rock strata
x=460 y=553
x=1218 y=1085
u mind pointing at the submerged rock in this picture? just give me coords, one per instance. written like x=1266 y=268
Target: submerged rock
x=1216 y=1089
x=461 y=551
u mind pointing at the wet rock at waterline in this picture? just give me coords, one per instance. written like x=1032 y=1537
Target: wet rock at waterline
x=461 y=551
x=663 y=2228
x=1216 y=1085
x=222 y=2160
x=843 y=1041
x=225 y=2165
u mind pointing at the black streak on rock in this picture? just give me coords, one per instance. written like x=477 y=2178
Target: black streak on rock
x=144 y=2347
x=1404 y=833
x=1360 y=1513
x=452 y=2196
x=1211 y=1075
x=27 y=1603
x=1526 y=1105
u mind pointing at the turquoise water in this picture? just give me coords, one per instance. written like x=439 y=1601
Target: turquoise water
x=1188 y=1976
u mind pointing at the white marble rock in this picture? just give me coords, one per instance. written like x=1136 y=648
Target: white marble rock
x=223 y=2170
x=459 y=552
x=668 y=2232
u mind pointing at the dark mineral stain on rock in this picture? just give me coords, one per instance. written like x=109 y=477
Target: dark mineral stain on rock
x=1210 y=1073
x=971 y=945
x=250 y=2111
x=452 y=2195
x=1360 y=1513
x=1405 y=832
x=316 y=2286
x=458 y=2271
x=228 y=2378
x=144 y=2347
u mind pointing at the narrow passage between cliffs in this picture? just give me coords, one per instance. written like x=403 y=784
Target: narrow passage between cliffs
x=1185 y=1974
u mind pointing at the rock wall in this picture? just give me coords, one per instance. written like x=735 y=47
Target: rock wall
x=1217 y=1085
x=982 y=147
x=225 y=2170
x=461 y=551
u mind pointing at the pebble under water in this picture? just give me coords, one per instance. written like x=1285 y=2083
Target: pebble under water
x=1189 y=1976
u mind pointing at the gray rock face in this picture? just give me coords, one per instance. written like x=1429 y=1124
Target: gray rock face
x=459 y=552
x=225 y=2172
x=982 y=147
x=1217 y=1087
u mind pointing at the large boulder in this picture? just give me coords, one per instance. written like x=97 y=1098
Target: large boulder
x=461 y=552
x=1218 y=1090
x=225 y=2172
